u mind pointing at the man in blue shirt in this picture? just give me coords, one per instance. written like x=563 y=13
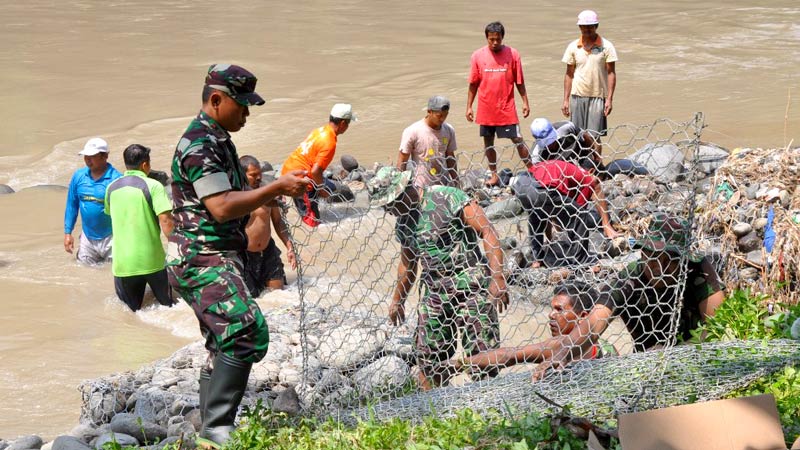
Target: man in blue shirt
x=87 y=191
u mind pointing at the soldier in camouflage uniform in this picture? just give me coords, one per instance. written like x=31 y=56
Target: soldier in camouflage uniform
x=439 y=227
x=212 y=203
x=645 y=294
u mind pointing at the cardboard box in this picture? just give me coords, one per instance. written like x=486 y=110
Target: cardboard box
x=746 y=423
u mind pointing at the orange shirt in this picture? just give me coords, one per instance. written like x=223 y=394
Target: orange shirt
x=318 y=148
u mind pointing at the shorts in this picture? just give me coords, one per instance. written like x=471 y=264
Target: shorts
x=263 y=267
x=502 y=131
x=441 y=315
x=587 y=113
x=93 y=252
x=230 y=320
x=131 y=289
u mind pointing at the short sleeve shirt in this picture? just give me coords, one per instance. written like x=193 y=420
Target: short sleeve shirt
x=205 y=163
x=427 y=149
x=445 y=246
x=647 y=311
x=566 y=178
x=137 y=240
x=591 y=73
x=572 y=147
x=496 y=75
x=318 y=148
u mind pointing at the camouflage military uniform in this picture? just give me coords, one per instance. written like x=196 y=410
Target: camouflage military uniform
x=454 y=280
x=646 y=310
x=204 y=257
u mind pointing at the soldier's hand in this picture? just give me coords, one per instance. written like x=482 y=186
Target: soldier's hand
x=498 y=293
x=294 y=183
x=397 y=312
x=69 y=243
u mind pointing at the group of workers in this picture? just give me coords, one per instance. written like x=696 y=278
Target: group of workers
x=219 y=224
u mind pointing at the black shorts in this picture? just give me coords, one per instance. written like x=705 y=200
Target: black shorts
x=131 y=289
x=263 y=267
x=502 y=131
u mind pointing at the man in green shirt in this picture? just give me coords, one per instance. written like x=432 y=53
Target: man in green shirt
x=140 y=209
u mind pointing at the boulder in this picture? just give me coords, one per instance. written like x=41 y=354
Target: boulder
x=386 y=376
x=341 y=193
x=153 y=405
x=6 y=189
x=287 y=402
x=144 y=431
x=181 y=429
x=349 y=163
x=26 y=442
x=103 y=402
x=756 y=257
x=266 y=166
x=194 y=417
x=710 y=157
x=69 y=443
x=124 y=440
x=663 y=161
x=346 y=347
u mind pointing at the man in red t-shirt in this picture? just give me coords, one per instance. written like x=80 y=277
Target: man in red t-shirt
x=558 y=191
x=494 y=71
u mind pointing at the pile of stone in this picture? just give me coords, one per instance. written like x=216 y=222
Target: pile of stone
x=752 y=211
x=352 y=358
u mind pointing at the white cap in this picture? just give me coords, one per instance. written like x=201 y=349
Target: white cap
x=343 y=111
x=588 y=17
x=94 y=146
x=543 y=131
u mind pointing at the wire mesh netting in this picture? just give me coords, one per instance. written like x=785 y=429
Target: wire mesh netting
x=430 y=278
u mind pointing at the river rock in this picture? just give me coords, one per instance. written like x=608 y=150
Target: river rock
x=664 y=162
x=104 y=401
x=749 y=273
x=6 y=189
x=153 y=403
x=85 y=432
x=710 y=157
x=124 y=440
x=69 y=443
x=760 y=223
x=756 y=257
x=26 y=442
x=266 y=166
x=161 y=444
x=341 y=193
x=181 y=428
x=504 y=209
x=160 y=176
x=786 y=199
x=144 y=431
x=752 y=191
x=385 y=376
x=345 y=347
x=349 y=162
x=287 y=402
x=741 y=228
x=45 y=187
x=472 y=180
x=195 y=417
x=749 y=242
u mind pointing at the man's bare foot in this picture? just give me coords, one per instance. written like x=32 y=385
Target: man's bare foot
x=493 y=180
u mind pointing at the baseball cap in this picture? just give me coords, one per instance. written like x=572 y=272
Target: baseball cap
x=235 y=81
x=94 y=146
x=588 y=17
x=438 y=103
x=343 y=111
x=670 y=234
x=543 y=131
x=387 y=184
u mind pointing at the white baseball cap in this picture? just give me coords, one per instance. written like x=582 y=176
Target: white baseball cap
x=588 y=17
x=543 y=131
x=343 y=111
x=94 y=146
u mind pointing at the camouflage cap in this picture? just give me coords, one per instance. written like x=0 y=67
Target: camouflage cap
x=387 y=185
x=235 y=81
x=668 y=233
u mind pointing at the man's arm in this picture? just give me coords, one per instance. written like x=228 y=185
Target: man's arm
x=568 y=77
x=229 y=205
x=612 y=85
x=523 y=92
x=474 y=217
x=406 y=275
x=166 y=222
x=450 y=162
x=71 y=215
x=471 y=93
x=602 y=209
x=561 y=350
x=402 y=160
x=283 y=233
